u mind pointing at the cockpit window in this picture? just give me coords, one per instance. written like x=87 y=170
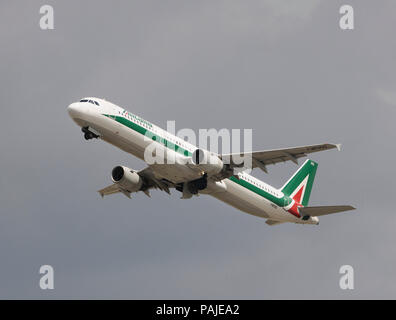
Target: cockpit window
x=90 y=101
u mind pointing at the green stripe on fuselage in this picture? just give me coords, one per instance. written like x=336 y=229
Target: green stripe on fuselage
x=149 y=134
x=281 y=202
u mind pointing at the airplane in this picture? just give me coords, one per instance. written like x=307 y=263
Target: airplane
x=200 y=171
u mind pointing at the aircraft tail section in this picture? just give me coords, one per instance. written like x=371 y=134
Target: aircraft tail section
x=299 y=186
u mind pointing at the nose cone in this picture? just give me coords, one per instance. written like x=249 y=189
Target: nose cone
x=74 y=110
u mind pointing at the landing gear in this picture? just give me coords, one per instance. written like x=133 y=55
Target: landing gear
x=88 y=135
x=191 y=188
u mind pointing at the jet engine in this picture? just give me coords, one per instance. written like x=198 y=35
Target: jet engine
x=207 y=162
x=126 y=178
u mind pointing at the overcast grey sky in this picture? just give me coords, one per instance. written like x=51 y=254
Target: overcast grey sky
x=283 y=68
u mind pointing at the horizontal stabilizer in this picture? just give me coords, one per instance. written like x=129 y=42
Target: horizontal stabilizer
x=323 y=210
x=273 y=222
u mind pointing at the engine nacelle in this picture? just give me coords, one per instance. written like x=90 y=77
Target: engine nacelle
x=126 y=178
x=208 y=162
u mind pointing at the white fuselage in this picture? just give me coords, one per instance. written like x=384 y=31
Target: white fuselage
x=128 y=134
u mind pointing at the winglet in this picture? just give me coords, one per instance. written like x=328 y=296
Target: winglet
x=338 y=146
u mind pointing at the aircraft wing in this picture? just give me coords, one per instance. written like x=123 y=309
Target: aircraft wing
x=150 y=182
x=260 y=159
x=109 y=190
x=114 y=188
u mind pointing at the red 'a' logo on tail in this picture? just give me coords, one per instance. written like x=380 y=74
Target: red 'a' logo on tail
x=298 y=196
x=298 y=193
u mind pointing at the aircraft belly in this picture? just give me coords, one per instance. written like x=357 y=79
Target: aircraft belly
x=243 y=199
x=130 y=142
x=176 y=173
x=249 y=202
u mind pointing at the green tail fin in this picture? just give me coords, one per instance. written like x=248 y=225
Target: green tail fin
x=300 y=184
